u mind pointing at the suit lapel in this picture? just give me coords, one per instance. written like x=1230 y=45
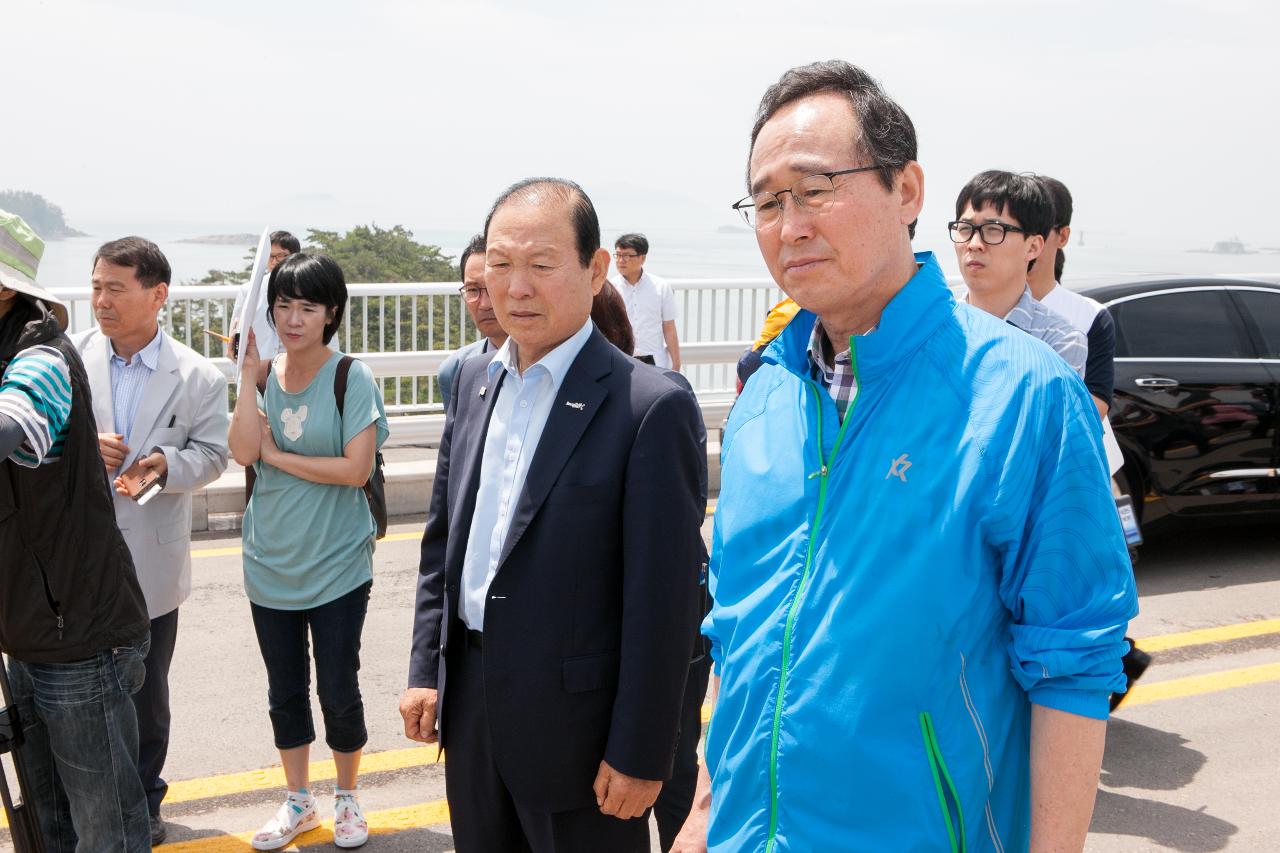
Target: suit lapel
x=97 y=364
x=160 y=387
x=572 y=411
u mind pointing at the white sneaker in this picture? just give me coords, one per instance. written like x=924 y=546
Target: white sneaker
x=350 y=829
x=296 y=815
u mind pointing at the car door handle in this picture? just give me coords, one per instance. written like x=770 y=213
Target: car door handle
x=1155 y=382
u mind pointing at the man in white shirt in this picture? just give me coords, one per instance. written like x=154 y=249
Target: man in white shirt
x=651 y=305
x=1084 y=313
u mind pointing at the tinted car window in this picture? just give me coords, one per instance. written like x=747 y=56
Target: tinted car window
x=1265 y=310
x=1194 y=324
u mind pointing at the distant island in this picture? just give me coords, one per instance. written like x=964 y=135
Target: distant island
x=224 y=240
x=44 y=217
x=1228 y=247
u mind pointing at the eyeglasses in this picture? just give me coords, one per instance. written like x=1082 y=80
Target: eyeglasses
x=625 y=256
x=814 y=193
x=472 y=293
x=991 y=233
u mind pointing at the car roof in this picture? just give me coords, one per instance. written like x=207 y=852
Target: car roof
x=1116 y=290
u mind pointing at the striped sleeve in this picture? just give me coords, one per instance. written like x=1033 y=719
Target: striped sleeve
x=36 y=392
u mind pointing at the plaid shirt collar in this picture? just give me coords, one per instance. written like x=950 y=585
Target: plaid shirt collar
x=840 y=379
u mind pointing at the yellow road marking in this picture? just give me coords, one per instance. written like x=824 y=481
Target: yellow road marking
x=383 y=822
x=1204 y=636
x=197 y=553
x=272 y=778
x=429 y=814
x=436 y=812
x=1196 y=685
x=400 y=759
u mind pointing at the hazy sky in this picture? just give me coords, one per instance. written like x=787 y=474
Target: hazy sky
x=1163 y=118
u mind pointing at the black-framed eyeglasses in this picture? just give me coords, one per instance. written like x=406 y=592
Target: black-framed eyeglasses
x=814 y=193
x=472 y=293
x=626 y=256
x=991 y=233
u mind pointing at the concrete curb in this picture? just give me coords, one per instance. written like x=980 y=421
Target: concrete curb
x=220 y=505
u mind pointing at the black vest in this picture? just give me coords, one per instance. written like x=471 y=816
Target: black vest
x=67 y=585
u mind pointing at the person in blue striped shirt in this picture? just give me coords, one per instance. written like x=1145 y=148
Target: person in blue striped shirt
x=35 y=399
x=71 y=610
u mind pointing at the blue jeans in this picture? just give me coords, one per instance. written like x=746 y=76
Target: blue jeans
x=334 y=629
x=80 y=750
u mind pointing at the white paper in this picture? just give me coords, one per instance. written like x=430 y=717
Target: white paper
x=254 y=303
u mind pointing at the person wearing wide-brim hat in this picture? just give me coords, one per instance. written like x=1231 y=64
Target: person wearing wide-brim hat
x=71 y=610
x=20 y=253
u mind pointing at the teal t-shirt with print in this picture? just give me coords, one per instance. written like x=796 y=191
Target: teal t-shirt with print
x=305 y=543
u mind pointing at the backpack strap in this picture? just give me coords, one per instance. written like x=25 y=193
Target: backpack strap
x=340 y=381
x=262 y=389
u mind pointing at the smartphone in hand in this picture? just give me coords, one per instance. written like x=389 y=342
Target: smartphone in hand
x=141 y=484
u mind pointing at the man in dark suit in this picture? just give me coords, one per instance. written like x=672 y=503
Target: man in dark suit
x=557 y=595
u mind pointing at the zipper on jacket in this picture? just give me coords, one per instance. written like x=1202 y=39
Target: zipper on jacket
x=54 y=607
x=948 y=799
x=821 y=474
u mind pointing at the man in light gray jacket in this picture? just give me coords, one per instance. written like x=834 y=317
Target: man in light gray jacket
x=162 y=405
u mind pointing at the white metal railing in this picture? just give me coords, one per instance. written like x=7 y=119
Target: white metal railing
x=404 y=332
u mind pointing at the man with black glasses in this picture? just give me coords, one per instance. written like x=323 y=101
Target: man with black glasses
x=476 y=297
x=920 y=583
x=1000 y=227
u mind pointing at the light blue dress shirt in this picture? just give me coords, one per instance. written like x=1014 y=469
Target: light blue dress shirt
x=129 y=382
x=519 y=416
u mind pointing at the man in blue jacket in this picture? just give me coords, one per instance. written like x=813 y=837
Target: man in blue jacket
x=920 y=583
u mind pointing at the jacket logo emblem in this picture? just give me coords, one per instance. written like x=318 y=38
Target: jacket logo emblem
x=899 y=468
x=579 y=406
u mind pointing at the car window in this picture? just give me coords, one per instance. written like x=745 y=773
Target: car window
x=1190 y=324
x=1265 y=310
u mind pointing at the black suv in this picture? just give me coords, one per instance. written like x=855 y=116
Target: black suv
x=1197 y=395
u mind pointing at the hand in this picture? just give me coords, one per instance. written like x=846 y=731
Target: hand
x=155 y=461
x=113 y=449
x=268 y=450
x=249 y=367
x=622 y=796
x=693 y=835
x=418 y=708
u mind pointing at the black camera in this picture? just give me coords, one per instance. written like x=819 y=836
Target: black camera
x=24 y=829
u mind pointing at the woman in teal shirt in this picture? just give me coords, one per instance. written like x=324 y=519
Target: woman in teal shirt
x=309 y=536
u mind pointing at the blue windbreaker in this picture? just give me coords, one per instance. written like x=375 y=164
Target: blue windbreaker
x=892 y=593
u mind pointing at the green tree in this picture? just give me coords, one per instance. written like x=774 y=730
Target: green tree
x=44 y=217
x=372 y=255
x=369 y=254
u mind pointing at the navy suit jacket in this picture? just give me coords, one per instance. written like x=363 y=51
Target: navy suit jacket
x=589 y=625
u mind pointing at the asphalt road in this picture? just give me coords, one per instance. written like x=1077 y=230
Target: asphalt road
x=1192 y=763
